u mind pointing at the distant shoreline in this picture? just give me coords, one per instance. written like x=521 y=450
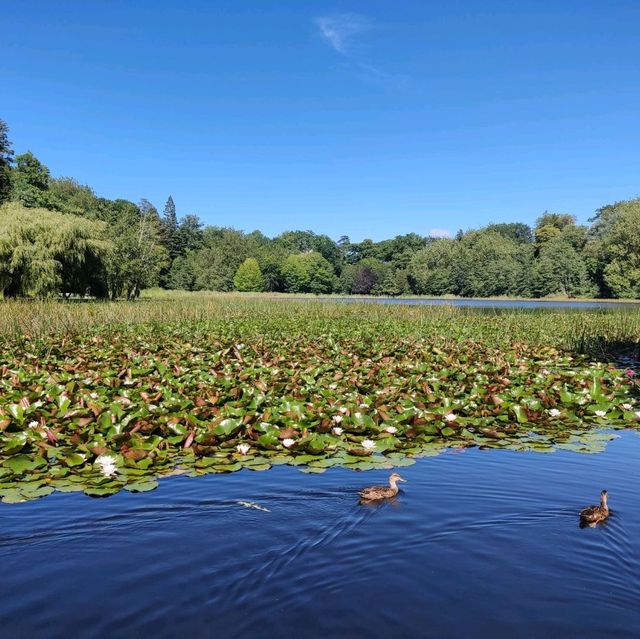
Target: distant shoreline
x=166 y=293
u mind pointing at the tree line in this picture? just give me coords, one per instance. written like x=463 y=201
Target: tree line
x=57 y=237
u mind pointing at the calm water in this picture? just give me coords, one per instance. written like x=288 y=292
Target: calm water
x=480 y=544
x=481 y=303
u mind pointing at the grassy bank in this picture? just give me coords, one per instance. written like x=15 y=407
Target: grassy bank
x=105 y=396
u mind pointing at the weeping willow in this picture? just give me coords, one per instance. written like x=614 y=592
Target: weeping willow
x=45 y=253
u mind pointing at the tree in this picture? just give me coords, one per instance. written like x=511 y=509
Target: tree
x=490 y=264
x=560 y=269
x=138 y=255
x=170 y=229
x=619 y=249
x=30 y=181
x=216 y=262
x=432 y=269
x=69 y=196
x=248 y=277
x=181 y=275
x=364 y=277
x=516 y=231
x=45 y=252
x=308 y=273
x=6 y=161
x=190 y=235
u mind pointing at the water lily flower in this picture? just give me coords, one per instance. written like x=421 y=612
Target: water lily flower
x=364 y=406
x=337 y=418
x=333 y=386
x=93 y=395
x=336 y=430
x=358 y=415
x=627 y=406
x=107 y=465
x=391 y=429
x=152 y=407
x=450 y=417
x=630 y=372
x=368 y=444
x=544 y=371
x=34 y=424
x=288 y=442
x=638 y=414
x=601 y=413
x=243 y=449
x=554 y=412
x=344 y=410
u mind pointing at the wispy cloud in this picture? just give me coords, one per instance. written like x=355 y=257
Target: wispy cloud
x=439 y=233
x=340 y=29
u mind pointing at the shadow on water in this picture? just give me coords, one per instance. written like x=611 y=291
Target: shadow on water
x=485 y=544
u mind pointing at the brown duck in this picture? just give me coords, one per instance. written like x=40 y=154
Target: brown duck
x=382 y=492
x=592 y=515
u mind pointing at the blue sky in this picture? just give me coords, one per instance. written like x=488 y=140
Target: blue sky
x=369 y=119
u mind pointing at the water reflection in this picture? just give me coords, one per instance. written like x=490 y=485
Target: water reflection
x=484 y=544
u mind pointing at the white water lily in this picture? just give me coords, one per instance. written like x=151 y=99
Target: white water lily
x=601 y=413
x=627 y=406
x=364 y=406
x=337 y=418
x=333 y=386
x=336 y=430
x=34 y=424
x=152 y=407
x=107 y=465
x=93 y=395
x=343 y=409
x=391 y=429
x=288 y=442
x=368 y=444
x=638 y=414
x=243 y=449
x=450 y=417
x=554 y=412
x=358 y=415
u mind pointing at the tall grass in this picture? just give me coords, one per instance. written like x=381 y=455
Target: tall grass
x=590 y=331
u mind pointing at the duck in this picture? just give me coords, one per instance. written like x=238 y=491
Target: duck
x=374 y=493
x=592 y=515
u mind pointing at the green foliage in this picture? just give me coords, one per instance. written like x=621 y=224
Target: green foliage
x=108 y=397
x=146 y=250
x=363 y=278
x=6 y=161
x=69 y=196
x=181 y=275
x=138 y=255
x=620 y=249
x=248 y=277
x=490 y=264
x=44 y=252
x=308 y=273
x=30 y=181
x=216 y=262
x=560 y=269
x=432 y=270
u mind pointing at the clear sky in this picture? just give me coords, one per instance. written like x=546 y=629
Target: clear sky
x=369 y=119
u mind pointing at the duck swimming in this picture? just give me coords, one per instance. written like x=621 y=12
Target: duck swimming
x=382 y=492
x=592 y=515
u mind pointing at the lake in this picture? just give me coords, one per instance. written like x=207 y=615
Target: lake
x=480 y=303
x=481 y=543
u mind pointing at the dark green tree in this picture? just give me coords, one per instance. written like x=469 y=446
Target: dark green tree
x=6 y=162
x=30 y=181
